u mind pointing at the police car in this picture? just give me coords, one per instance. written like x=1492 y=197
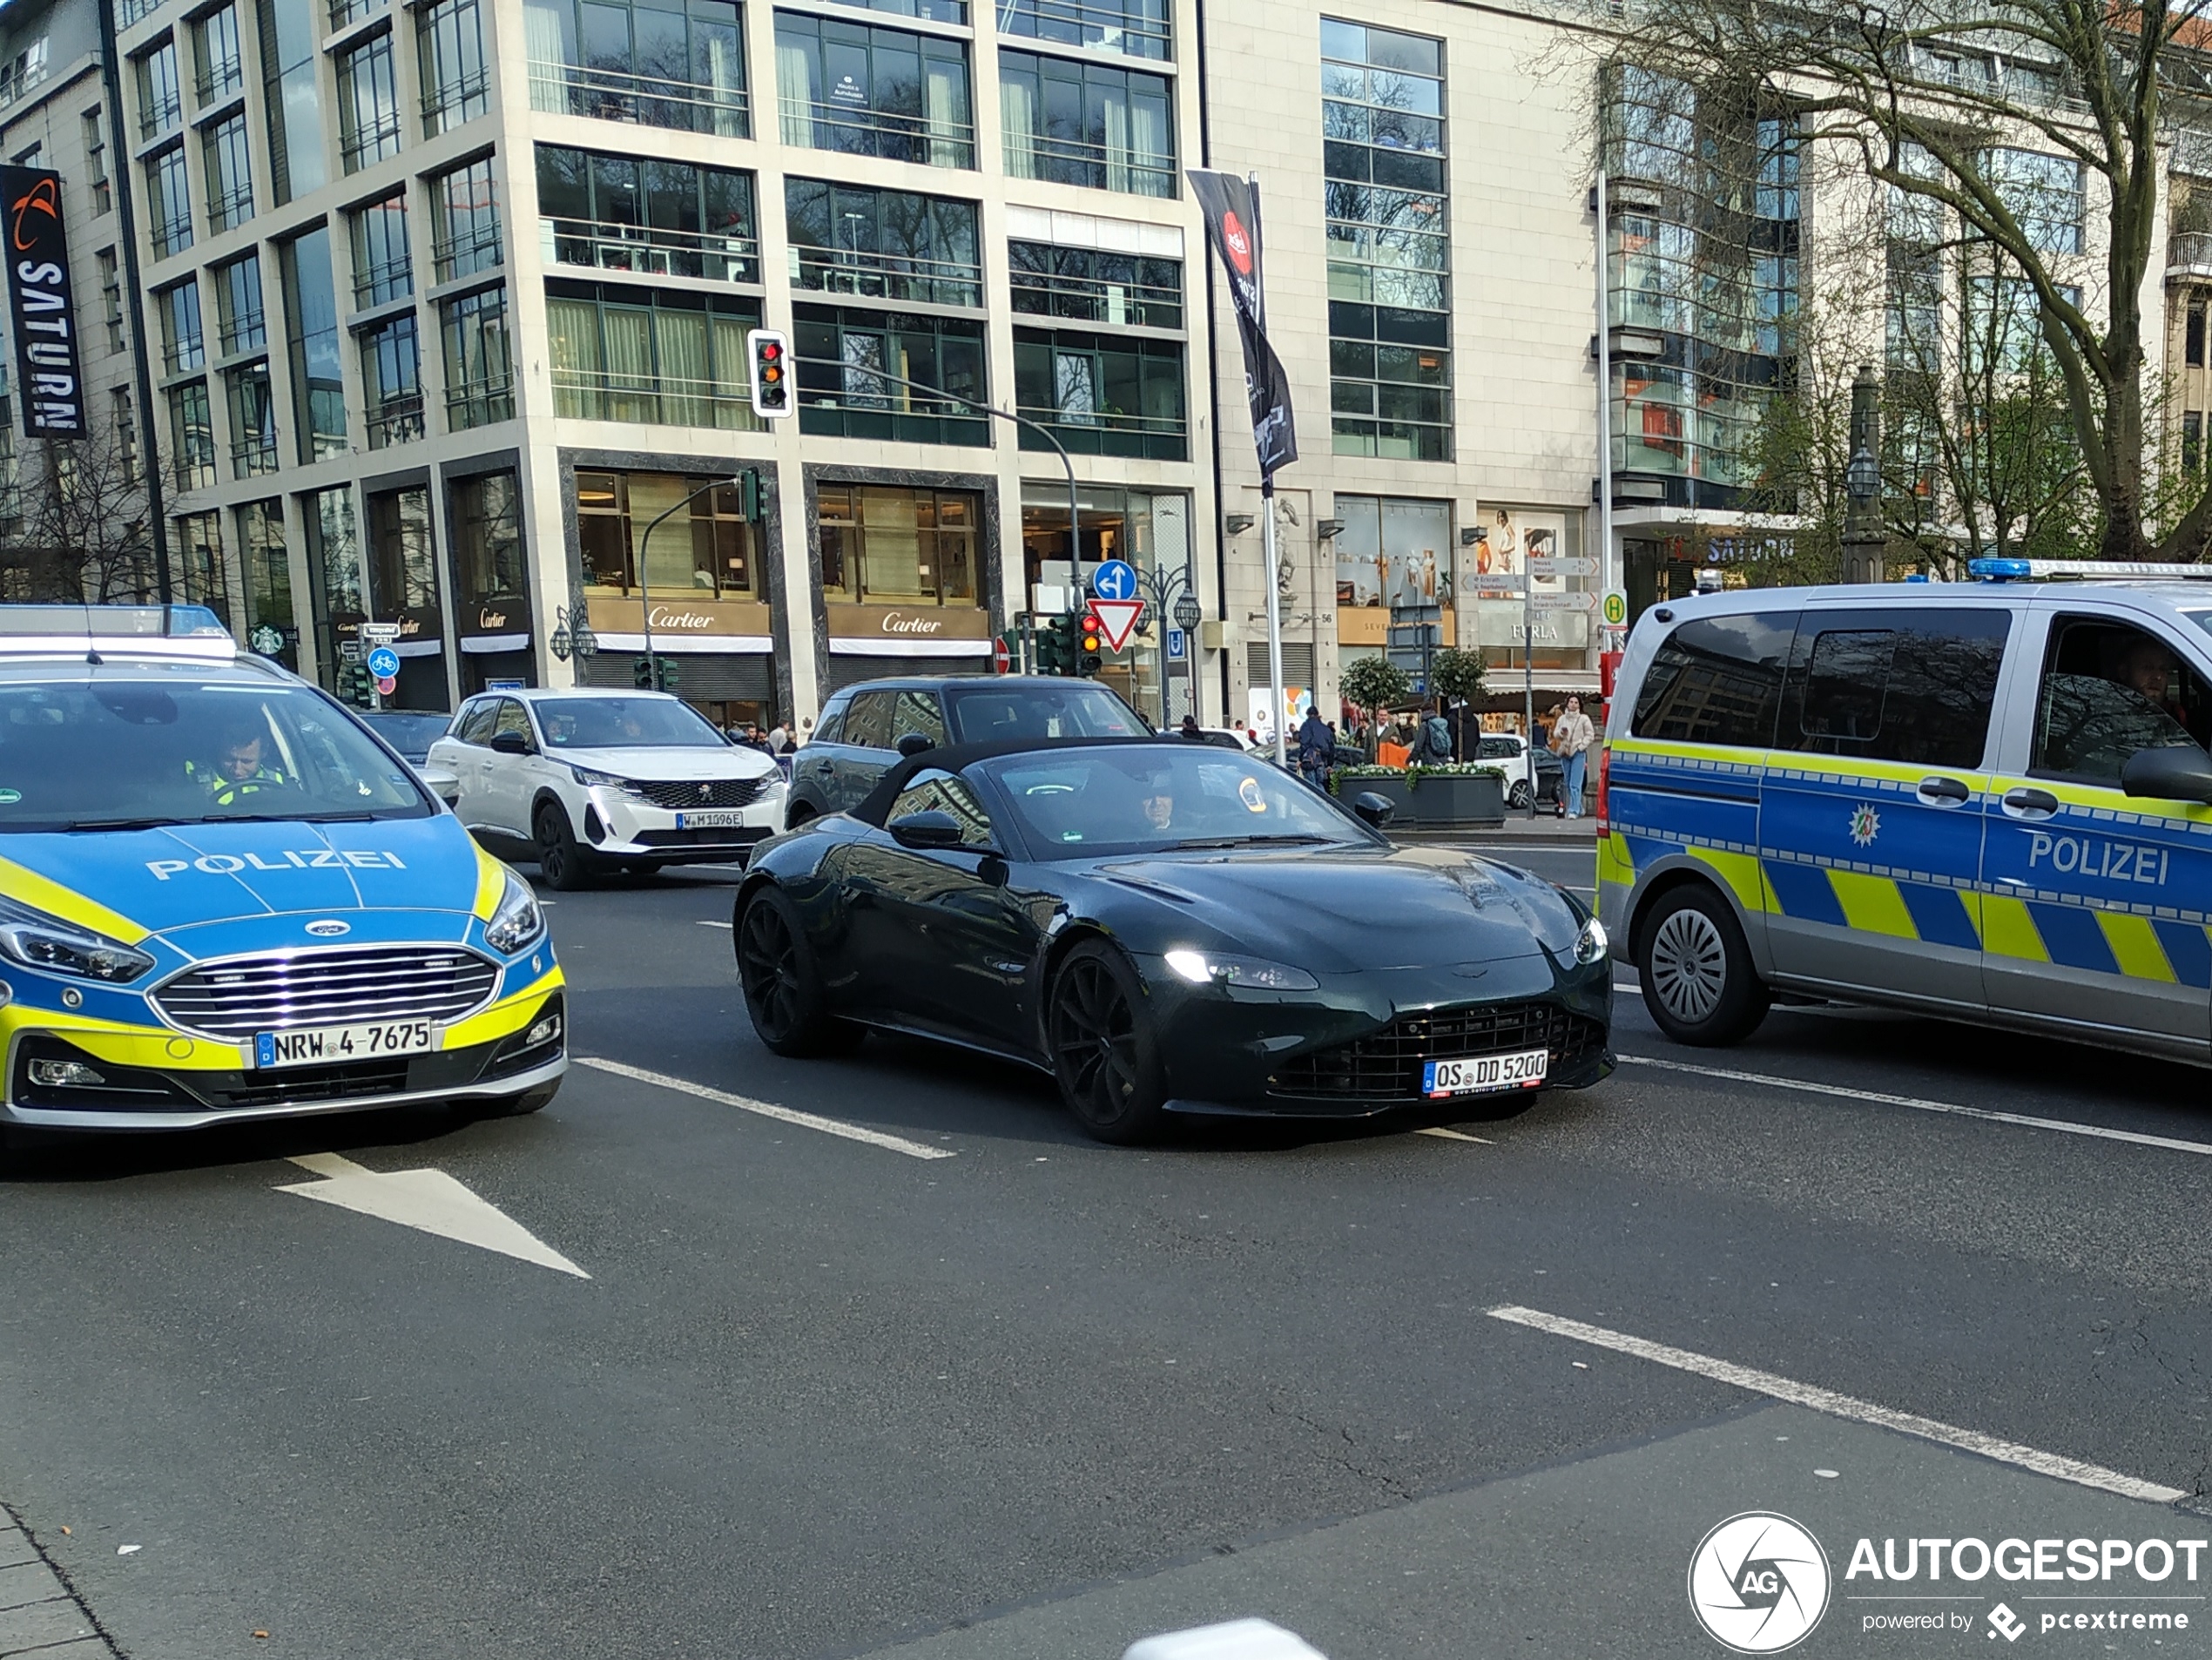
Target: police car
x=1987 y=799
x=221 y=898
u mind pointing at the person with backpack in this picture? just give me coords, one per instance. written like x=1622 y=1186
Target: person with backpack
x=1317 y=749
x=1432 y=742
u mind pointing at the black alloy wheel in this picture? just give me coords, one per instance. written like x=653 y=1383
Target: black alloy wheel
x=564 y=865
x=782 y=991
x=1696 y=968
x=1099 y=1032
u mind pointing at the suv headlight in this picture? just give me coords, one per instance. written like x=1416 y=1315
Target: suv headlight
x=38 y=941
x=590 y=779
x=518 y=921
x=1254 y=973
x=1591 y=943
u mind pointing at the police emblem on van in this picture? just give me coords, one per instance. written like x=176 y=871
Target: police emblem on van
x=329 y=927
x=1866 y=825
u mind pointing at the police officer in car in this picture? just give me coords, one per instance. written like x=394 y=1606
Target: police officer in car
x=238 y=772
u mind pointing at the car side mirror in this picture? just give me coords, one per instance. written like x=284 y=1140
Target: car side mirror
x=926 y=830
x=1375 y=811
x=915 y=744
x=511 y=743
x=2181 y=773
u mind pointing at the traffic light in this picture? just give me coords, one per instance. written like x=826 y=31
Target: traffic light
x=667 y=667
x=1056 y=645
x=641 y=673
x=1090 y=661
x=644 y=677
x=749 y=495
x=770 y=355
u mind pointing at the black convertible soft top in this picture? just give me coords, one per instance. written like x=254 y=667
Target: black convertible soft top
x=954 y=757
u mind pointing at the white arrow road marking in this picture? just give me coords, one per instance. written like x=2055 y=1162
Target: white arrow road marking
x=428 y=1201
x=769 y=1109
x=1443 y=1133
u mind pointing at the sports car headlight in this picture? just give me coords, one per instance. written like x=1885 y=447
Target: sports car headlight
x=38 y=941
x=517 y=922
x=1255 y=974
x=1590 y=944
x=590 y=779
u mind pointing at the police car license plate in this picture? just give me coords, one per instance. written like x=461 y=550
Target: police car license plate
x=1524 y=1070
x=331 y=1045
x=707 y=820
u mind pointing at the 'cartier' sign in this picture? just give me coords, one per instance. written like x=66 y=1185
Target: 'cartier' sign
x=696 y=622
x=896 y=623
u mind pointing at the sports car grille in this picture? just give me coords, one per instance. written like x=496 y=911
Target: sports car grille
x=1388 y=1066
x=243 y=995
x=702 y=792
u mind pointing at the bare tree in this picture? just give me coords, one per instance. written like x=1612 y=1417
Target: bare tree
x=73 y=522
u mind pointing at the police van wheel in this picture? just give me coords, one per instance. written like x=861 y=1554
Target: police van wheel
x=563 y=865
x=1698 y=981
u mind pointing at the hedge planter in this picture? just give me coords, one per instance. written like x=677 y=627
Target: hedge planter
x=1444 y=803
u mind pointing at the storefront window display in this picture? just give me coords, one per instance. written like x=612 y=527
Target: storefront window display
x=1511 y=537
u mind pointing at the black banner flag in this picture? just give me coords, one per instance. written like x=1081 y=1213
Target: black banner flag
x=1232 y=207
x=42 y=311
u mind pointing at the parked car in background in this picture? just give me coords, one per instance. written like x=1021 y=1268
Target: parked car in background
x=862 y=728
x=1529 y=777
x=411 y=732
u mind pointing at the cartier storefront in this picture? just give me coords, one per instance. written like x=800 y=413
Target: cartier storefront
x=905 y=583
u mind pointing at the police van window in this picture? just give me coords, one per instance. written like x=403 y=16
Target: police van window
x=942 y=793
x=1716 y=680
x=476 y=724
x=868 y=723
x=1887 y=685
x=2109 y=690
x=917 y=712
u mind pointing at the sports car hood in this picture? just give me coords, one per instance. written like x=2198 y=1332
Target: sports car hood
x=1350 y=910
x=667 y=762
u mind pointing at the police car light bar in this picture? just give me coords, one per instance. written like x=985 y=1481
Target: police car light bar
x=165 y=631
x=2093 y=569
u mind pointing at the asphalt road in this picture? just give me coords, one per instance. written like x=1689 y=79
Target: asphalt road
x=820 y=1396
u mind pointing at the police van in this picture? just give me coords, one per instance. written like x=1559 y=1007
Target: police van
x=1988 y=799
x=222 y=898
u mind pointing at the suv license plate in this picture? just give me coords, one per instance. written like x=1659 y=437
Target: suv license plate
x=708 y=820
x=330 y=1045
x=1523 y=1070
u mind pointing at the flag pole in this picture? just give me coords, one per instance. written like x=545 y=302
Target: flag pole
x=1274 y=619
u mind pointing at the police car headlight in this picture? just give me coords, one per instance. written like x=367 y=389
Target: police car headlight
x=517 y=922
x=1591 y=944
x=38 y=941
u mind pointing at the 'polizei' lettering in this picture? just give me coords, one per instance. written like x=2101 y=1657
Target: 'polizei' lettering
x=224 y=864
x=2111 y=861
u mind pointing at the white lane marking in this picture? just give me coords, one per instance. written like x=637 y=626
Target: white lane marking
x=707 y=922
x=1841 y=1406
x=769 y=1109
x=2098 y=1131
x=1452 y=1135
x=429 y=1201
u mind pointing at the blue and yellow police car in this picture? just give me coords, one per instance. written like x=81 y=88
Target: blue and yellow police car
x=222 y=898
x=1989 y=800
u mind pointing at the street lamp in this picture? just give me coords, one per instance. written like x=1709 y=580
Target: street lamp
x=572 y=635
x=1863 y=538
x=1863 y=477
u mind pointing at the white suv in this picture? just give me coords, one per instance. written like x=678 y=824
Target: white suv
x=584 y=780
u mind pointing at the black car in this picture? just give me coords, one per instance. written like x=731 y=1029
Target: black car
x=411 y=732
x=862 y=727
x=1170 y=928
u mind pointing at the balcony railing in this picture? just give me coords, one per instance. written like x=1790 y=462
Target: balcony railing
x=248 y=332
x=250 y=456
x=2189 y=253
x=471 y=249
x=841 y=400
x=1080 y=23
x=184 y=354
x=478 y=403
x=886 y=276
x=373 y=142
x=649 y=101
x=1141 y=305
x=1077 y=161
x=396 y=420
x=171 y=235
x=598 y=394
x=719 y=256
x=1102 y=432
x=160 y=117
x=226 y=208
x=447 y=106
x=219 y=81
x=934 y=143
x=345 y=12
x=391 y=278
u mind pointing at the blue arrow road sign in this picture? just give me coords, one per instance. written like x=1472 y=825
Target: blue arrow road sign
x=1176 y=651
x=1116 y=579
x=384 y=662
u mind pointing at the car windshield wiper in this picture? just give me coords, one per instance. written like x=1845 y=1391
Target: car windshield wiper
x=281 y=818
x=117 y=823
x=1242 y=841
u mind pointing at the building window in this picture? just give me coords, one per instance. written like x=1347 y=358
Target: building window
x=655 y=356
x=346 y=13
x=383 y=267
x=311 y=333
x=2192 y=351
x=96 y=164
x=199 y=558
x=882 y=244
x=130 y=13
x=182 y=344
x=710 y=552
x=1138 y=28
x=111 y=298
x=488 y=542
x=1390 y=301
x=1087 y=124
x=161 y=104
x=2044 y=194
x=253 y=412
x=334 y=585
x=449 y=44
x=392 y=382
x=629 y=213
x=479 y=361
x=192 y=435
x=294 y=105
x=220 y=67
x=272 y=629
x=845 y=357
x=169 y=196
x=369 y=105
x=2192 y=440
x=229 y=183
x=464 y=221
x=126 y=428
x=240 y=325
x=402 y=552
x=682 y=67
x=1102 y=395
x=869 y=91
x=1095 y=285
x=886 y=545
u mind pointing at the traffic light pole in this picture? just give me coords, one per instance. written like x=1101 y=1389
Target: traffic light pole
x=645 y=544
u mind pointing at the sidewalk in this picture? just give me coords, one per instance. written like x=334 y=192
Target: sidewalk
x=1518 y=826
x=37 y=1614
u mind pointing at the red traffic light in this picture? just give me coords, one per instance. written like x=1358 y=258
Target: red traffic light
x=1090 y=623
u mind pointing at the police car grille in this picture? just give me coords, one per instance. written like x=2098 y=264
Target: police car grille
x=702 y=792
x=1388 y=1066
x=244 y=995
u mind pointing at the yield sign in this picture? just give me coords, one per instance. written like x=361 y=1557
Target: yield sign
x=1116 y=620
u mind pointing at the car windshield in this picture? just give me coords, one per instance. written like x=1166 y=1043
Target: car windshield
x=987 y=713
x=410 y=734
x=180 y=752
x=625 y=723
x=1082 y=803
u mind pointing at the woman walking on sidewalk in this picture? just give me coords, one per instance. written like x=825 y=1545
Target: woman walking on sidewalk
x=1572 y=736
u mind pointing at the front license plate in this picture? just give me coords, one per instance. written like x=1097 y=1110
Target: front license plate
x=329 y=1045
x=707 y=820
x=1524 y=1070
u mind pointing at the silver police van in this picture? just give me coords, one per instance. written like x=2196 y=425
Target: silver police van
x=1988 y=799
